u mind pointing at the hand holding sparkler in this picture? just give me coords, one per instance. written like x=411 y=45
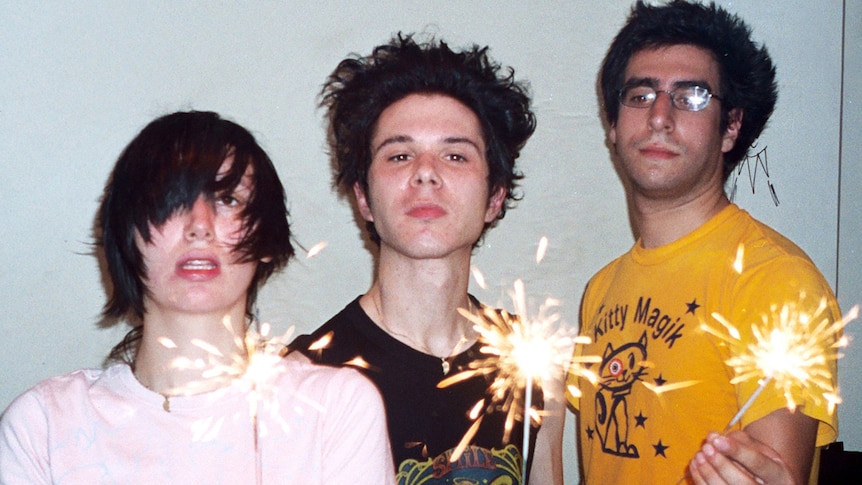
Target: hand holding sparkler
x=791 y=349
x=737 y=457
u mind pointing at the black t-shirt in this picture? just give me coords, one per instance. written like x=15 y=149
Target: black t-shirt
x=425 y=422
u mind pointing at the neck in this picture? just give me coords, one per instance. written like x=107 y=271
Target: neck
x=418 y=304
x=190 y=354
x=663 y=222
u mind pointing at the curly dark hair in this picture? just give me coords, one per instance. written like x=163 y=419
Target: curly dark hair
x=362 y=87
x=747 y=75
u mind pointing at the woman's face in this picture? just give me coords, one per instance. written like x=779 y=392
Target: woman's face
x=190 y=264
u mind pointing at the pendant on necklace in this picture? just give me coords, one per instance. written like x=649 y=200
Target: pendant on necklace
x=445 y=364
x=167 y=404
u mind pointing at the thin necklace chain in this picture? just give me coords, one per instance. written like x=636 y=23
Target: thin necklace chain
x=177 y=392
x=166 y=405
x=444 y=360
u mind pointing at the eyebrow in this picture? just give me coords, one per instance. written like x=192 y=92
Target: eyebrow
x=449 y=140
x=653 y=83
x=392 y=140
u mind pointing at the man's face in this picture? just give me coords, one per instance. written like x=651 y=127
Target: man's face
x=428 y=179
x=667 y=153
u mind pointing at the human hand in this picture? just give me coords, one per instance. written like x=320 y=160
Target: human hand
x=738 y=459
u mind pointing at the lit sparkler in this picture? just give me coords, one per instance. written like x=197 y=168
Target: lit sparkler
x=788 y=351
x=261 y=370
x=522 y=353
x=254 y=365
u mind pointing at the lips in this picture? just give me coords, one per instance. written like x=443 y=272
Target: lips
x=426 y=212
x=198 y=269
x=658 y=151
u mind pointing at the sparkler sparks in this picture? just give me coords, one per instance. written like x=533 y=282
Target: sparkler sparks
x=254 y=365
x=316 y=249
x=788 y=351
x=522 y=353
x=518 y=350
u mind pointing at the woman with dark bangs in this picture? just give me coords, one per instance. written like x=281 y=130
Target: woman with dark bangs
x=192 y=222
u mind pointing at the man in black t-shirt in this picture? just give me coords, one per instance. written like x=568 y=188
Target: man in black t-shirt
x=426 y=139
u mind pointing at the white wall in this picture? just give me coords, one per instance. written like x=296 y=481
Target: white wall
x=79 y=80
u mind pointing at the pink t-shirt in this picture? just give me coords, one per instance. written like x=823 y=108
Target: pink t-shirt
x=316 y=425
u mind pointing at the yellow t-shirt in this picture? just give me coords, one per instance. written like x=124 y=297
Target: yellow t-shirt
x=663 y=383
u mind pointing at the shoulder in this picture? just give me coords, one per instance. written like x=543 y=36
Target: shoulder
x=344 y=336
x=767 y=256
x=344 y=321
x=326 y=381
x=51 y=398
x=762 y=240
x=602 y=278
x=62 y=386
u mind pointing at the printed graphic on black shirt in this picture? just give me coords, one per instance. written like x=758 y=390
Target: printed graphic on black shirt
x=475 y=466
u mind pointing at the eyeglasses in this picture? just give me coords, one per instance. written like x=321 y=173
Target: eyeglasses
x=686 y=98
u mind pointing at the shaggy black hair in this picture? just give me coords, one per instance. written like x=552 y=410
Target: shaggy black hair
x=172 y=162
x=747 y=75
x=362 y=87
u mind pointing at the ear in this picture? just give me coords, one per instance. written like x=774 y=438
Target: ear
x=266 y=259
x=362 y=202
x=495 y=203
x=734 y=124
x=612 y=134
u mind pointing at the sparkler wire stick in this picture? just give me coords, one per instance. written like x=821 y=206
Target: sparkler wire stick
x=748 y=403
x=522 y=351
x=255 y=345
x=528 y=403
x=258 y=458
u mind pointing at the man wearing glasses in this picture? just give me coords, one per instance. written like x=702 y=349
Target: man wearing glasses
x=686 y=92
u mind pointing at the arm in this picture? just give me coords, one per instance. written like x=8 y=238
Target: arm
x=776 y=449
x=548 y=458
x=779 y=446
x=23 y=443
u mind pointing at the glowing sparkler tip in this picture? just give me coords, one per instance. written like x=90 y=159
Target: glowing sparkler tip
x=523 y=351
x=791 y=348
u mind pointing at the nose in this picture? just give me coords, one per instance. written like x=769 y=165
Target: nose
x=199 y=225
x=661 y=112
x=426 y=171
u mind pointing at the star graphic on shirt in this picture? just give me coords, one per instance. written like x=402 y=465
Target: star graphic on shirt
x=692 y=306
x=590 y=432
x=640 y=419
x=659 y=381
x=659 y=448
